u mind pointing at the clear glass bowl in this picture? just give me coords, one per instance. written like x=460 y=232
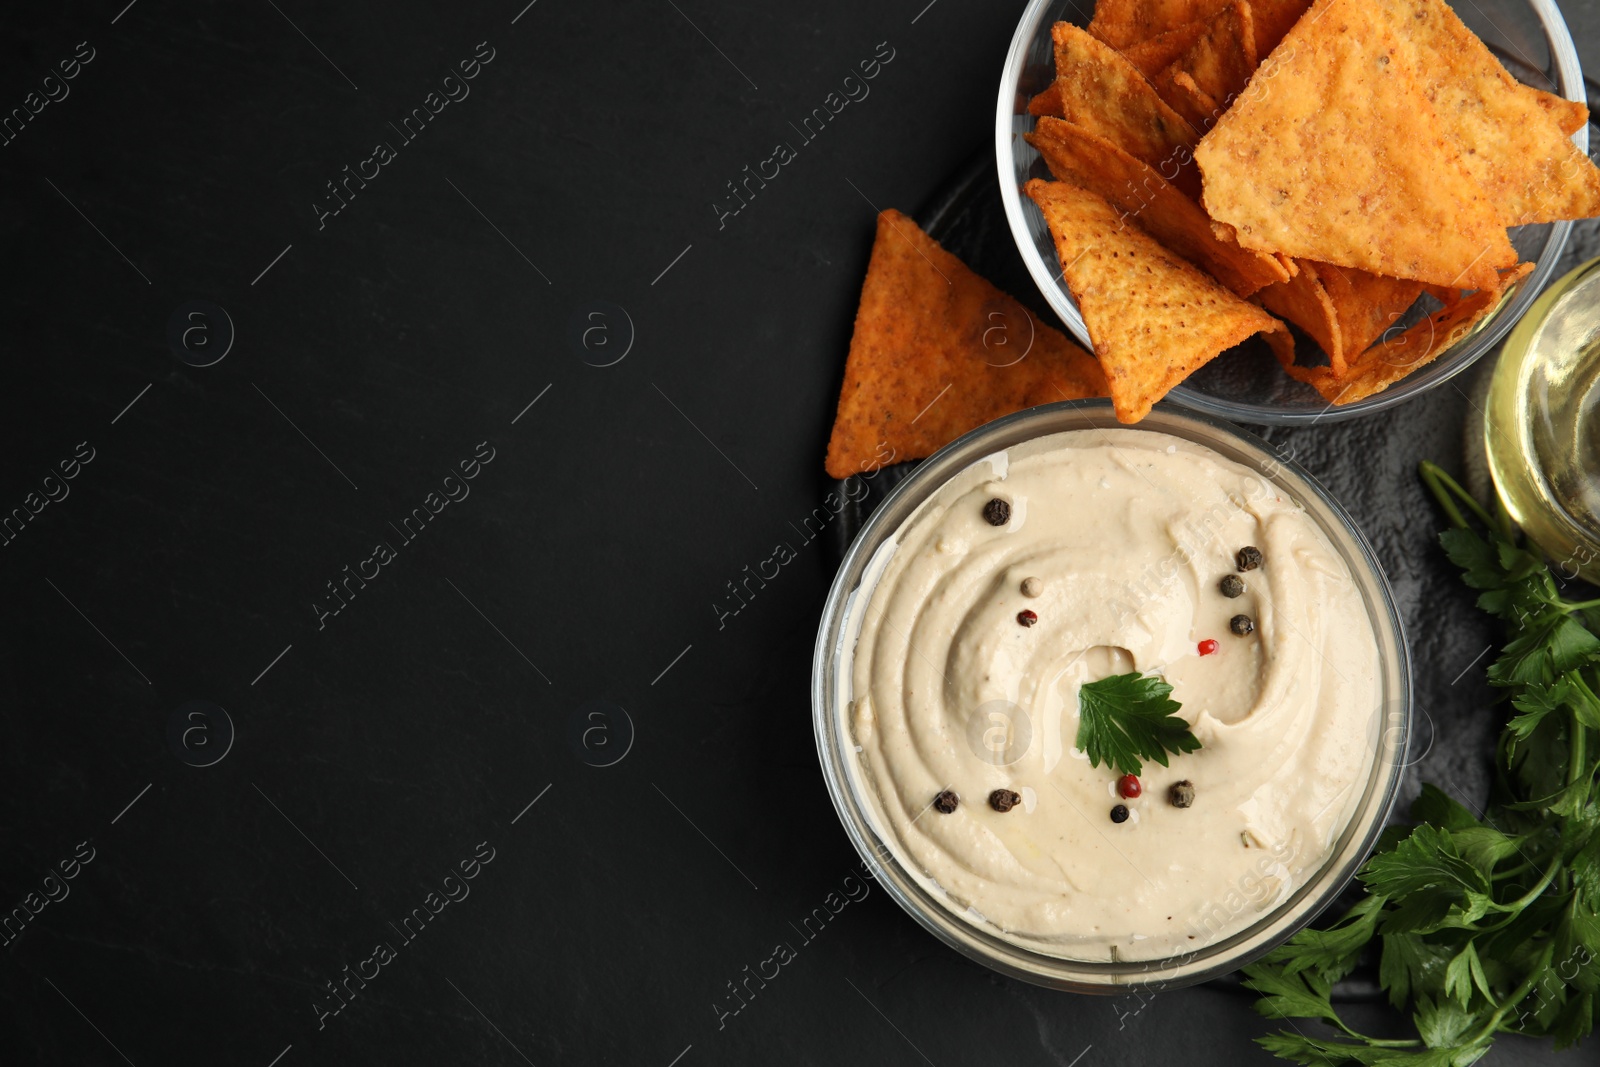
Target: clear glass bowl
x=1530 y=38
x=856 y=801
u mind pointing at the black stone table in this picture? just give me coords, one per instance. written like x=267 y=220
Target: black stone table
x=396 y=390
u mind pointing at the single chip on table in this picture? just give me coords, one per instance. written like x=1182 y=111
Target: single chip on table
x=1105 y=94
x=1220 y=61
x=1140 y=192
x=1124 y=24
x=1339 y=158
x=1153 y=317
x=938 y=351
x=1511 y=142
x=1395 y=357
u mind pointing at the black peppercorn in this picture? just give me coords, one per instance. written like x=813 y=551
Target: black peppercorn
x=1119 y=813
x=1242 y=625
x=1181 y=795
x=1003 y=800
x=945 y=802
x=1249 y=558
x=997 y=512
x=1232 y=586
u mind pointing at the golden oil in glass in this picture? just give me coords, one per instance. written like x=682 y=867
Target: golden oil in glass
x=1542 y=423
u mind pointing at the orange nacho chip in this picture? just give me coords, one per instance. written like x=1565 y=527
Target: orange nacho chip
x=1344 y=310
x=1121 y=23
x=1156 y=54
x=1570 y=115
x=1047 y=102
x=1106 y=94
x=1189 y=100
x=1511 y=143
x=1303 y=300
x=1125 y=23
x=1154 y=319
x=1141 y=193
x=1338 y=157
x=1395 y=357
x=938 y=351
x=1365 y=304
x=1221 y=60
x=1273 y=19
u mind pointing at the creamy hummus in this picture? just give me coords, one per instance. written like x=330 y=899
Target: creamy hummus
x=1129 y=534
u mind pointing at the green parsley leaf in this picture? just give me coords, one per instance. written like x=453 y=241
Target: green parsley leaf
x=1574 y=1022
x=1488 y=923
x=1425 y=862
x=1127 y=718
x=1464 y=974
x=1302 y=995
x=1436 y=806
x=1301 y=1049
x=1484 y=847
x=1443 y=1024
x=1332 y=953
x=1409 y=962
x=1536 y=701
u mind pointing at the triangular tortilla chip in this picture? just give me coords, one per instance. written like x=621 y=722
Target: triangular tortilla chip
x=1221 y=60
x=938 y=351
x=1511 y=143
x=1570 y=115
x=1303 y=300
x=1189 y=100
x=1230 y=235
x=1338 y=157
x=1139 y=192
x=1121 y=23
x=1365 y=305
x=1156 y=55
x=1124 y=23
x=1395 y=357
x=1273 y=19
x=1047 y=102
x=1154 y=319
x=1105 y=94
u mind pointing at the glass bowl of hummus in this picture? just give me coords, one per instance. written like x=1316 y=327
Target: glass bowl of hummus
x=1017 y=573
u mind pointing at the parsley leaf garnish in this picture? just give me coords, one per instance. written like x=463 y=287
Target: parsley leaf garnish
x=1127 y=718
x=1480 y=925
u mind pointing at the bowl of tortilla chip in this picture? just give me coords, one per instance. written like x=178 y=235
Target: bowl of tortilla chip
x=1284 y=211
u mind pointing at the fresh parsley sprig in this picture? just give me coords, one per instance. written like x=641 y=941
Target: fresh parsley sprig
x=1127 y=718
x=1489 y=925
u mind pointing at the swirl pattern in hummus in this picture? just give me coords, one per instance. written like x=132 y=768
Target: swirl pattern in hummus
x=1130 y=533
